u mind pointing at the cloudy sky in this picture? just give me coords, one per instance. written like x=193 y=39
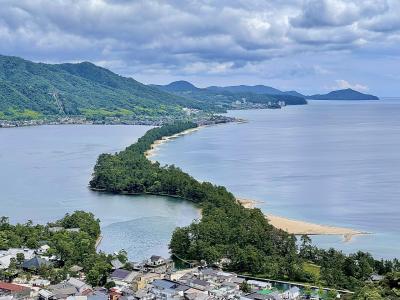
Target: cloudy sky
x=307 y=45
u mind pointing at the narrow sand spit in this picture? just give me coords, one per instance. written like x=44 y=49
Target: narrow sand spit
x=288 y=225
x=156 y=144
x=302 y=227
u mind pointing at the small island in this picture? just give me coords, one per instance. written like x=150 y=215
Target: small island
x=346 y=94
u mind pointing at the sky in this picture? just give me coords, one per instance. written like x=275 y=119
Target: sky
x=312 y=46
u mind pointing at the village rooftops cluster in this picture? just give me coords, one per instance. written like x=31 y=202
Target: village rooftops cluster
x=154 y=278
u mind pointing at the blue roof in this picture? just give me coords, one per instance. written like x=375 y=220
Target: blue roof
x=163 y=284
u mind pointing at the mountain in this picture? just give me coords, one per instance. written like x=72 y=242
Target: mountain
x=178 y=86
x=294 y=93
x=346 y=94
x=226 y=97
x=256 y=89
x=30 y=90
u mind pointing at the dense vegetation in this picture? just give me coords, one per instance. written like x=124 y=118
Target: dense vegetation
x=33 y=90
x=231 y=233
x=69 y=247
x=223 y=97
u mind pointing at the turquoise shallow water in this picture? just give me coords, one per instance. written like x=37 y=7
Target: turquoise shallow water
x=330 y=162
x=44 y=173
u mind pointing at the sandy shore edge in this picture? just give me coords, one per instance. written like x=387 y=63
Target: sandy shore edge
x=154 y=147
x=301 y=227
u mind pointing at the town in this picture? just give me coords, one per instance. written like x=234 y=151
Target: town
x=154 y=278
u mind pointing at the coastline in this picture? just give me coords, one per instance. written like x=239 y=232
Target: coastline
x=296 y=227
x=154 y=147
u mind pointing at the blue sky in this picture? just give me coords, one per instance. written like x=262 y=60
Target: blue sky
x=311 y=46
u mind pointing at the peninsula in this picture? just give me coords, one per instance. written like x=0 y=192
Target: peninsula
x=291 y=226
x=228 y=234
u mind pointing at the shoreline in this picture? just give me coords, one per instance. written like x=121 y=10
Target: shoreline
x=154 y=146
x=298 y=227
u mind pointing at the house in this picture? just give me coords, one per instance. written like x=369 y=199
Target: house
x=216 y=276
x=376 y=278
x=155 y=260
x=144 y=295
x=15 y=290
x=6 y=256
x=292 y=294
x=56 y=229
x=226 y=290
x=75 y=269
x=35 y=263
x=79 y=285
x=199 y=284
x=169 y=290
x=73 y=229
x=157 y=264
x=259 y=285
x=45 y=294
x=116 y=264
x=263 y=295
x=42 y=249
x=143 y=279
x=165 y=289
x=123 y=277
x=40 y=282
x=59 y=291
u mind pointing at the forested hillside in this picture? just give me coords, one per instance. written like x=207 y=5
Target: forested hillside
x=32 y=90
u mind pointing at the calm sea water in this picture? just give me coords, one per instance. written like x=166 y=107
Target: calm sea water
x=44 y=173
x=330 y=162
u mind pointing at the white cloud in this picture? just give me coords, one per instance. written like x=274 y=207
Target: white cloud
x=343 y=84
x=200 y=36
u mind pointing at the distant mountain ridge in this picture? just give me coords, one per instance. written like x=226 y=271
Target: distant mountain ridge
x=346 y=94
x=223 y=97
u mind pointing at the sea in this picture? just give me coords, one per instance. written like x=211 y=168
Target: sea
x=329 y=162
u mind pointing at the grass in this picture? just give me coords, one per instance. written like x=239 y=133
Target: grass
x=312 y=269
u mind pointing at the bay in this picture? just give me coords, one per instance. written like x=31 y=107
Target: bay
x=329 y=162
x=45 y=171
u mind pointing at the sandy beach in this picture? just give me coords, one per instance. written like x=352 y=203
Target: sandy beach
x=156 y=144
x=301 y=227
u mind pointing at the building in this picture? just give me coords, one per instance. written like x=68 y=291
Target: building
x=8 y=255
x=158 y=264
x=79 y=285
x=35 y=263
x=123 y=277
x=10 y=289
x=292 y=294
x=143 y=279
x=259 y=285
x=42 y=249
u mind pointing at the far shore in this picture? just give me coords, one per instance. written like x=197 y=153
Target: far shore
x=289 y=225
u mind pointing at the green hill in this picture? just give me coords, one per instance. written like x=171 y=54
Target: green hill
x=346 y=94
x=33 y=90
